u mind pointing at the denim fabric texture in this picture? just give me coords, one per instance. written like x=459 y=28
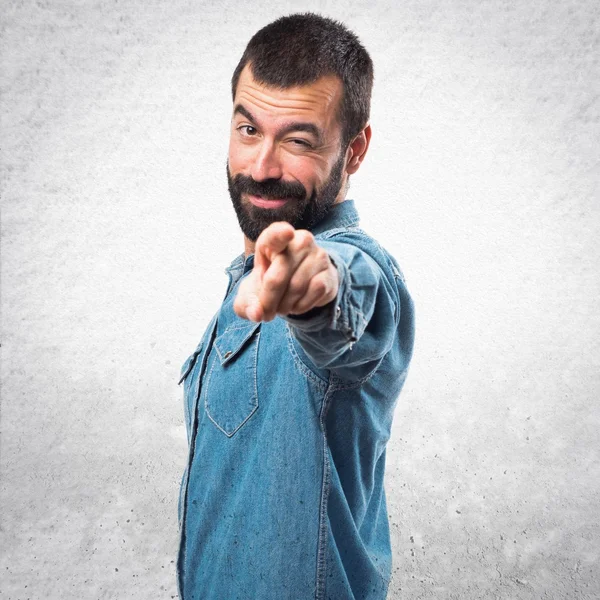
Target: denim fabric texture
x=287 y=423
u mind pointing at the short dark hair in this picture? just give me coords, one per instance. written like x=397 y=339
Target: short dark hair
x=299 y=49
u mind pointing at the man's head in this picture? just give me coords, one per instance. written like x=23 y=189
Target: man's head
x=301 y=95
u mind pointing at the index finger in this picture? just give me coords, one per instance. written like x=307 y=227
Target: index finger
x=272 y=241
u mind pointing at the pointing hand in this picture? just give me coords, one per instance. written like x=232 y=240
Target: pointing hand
x=291 y=275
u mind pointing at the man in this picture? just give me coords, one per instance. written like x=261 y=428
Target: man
x=290 y=394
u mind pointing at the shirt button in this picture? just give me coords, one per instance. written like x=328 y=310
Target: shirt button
x=227 y=354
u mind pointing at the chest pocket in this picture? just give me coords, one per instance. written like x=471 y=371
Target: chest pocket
x=230 y=392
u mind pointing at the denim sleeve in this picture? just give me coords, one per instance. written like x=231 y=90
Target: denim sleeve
x=357 y=328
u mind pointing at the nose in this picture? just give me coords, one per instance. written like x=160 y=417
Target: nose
x=266 y=162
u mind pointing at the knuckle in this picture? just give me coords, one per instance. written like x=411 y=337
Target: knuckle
x=304 y=238
x=319 y=286
x=272 y=280
x=269 y=284
x=322 y=256
x=296 y=287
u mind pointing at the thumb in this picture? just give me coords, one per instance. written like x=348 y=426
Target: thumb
x=246 y=303
x=271 y=242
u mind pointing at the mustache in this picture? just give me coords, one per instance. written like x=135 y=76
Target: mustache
x=270 y=188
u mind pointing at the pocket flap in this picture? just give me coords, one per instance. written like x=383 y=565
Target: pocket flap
x=188 y=365
x=229 y=343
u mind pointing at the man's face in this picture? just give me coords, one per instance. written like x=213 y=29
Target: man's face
x=285 y=160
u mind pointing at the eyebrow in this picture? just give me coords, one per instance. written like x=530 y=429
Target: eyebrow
x=287 y=128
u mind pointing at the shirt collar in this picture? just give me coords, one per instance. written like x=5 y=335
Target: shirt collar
x=343 y=214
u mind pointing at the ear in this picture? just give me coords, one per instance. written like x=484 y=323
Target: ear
x=357 y=149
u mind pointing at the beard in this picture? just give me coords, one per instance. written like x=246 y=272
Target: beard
x=301 y=212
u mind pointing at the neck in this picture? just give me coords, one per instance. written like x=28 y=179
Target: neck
x=248 y=247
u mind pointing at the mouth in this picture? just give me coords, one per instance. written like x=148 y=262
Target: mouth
x=267 y=202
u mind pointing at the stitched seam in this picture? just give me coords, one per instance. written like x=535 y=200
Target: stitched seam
x=180 y=501
x=323 y=235
x=255 y=399
x=363 y=234
x=206 y=386
x=305 y=369
x=191 y=443
x=397 y=275
x=382 y=251
x=342 y=385
x=192 y=410
x=235 y=327
x=326 y=484
x=251 y=330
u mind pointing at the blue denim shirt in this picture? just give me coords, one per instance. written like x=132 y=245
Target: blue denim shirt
x=287 y=425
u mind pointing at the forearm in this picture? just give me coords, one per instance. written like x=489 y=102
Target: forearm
x=358 y=326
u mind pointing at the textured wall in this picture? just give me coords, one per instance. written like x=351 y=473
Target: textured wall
x=482 y=179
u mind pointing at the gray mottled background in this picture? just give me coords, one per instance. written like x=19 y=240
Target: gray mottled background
x=482 y=179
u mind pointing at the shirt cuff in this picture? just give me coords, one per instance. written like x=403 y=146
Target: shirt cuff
x=337 y=314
